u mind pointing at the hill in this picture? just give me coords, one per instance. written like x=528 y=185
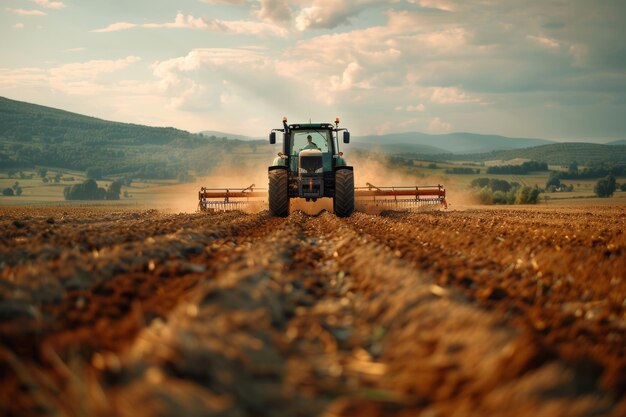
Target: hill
x=32 y=135
x=398 y=148
x=620 y=142
x=218 y=134
x=556 y=154
x=457 y=143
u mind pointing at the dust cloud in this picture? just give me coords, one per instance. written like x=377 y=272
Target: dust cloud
x=184 y=197
x=372 y=170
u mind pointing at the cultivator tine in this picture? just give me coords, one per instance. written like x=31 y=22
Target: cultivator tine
x=408 y=198
x=224 y=199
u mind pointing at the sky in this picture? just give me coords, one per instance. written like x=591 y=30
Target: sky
x=552 y=69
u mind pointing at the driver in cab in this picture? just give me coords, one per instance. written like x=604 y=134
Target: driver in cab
x=310 y=144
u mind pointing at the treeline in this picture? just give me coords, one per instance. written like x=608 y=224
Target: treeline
x=591 y=171
x=89 y=190
x=524 y=168
x=495 y=191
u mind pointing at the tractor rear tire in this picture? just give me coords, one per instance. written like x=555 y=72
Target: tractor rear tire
x=343 y=203
x=279 y=192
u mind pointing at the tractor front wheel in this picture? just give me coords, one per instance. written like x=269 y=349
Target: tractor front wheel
x=343 y=202
x=279 y=192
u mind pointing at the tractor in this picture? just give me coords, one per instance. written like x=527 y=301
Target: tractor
x=310 y=166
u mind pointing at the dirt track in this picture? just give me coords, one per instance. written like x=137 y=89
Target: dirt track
x=491 y=312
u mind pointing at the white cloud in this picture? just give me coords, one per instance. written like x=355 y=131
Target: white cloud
x=18 y=26
x=328 y=14
x=50 y=4
x=205 y=79
x=80 y=78
x=451 y=95
x=24 y=12
x=415 y=108
x=275 y=10
x=446 y=5
x=189 y=22
x=79 y=49
x=234 y=2
x=544 y=40
x=436 y=125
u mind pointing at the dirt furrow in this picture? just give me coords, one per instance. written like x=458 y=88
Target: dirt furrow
x=436 y=352
x=126 y=287
x=520 y=275
x=247 y=315
x=34 y=237
x=226 y=351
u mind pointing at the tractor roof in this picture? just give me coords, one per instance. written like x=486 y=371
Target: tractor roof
x=311 y=126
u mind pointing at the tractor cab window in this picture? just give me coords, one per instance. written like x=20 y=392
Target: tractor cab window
x=319 y=140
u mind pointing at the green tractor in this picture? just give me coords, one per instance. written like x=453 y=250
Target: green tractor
x=310 y=167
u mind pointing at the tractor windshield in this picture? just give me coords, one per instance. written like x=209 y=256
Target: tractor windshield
x=309 y=139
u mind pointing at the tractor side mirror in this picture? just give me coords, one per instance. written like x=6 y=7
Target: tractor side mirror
x=346 y=136
x=272 y=138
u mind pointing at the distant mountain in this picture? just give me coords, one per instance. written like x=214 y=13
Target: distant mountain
x=218 y=134
x=397 y=148
x=457 y=143
x=620 y=142
x=557 y=154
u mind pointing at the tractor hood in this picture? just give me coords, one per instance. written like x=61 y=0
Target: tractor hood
x=310 y=161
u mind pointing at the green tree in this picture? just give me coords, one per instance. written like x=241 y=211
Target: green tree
x=623 y=187
x=8 y=192
x=42 y=172
x=114 y=190
x=605 y=187
x=88 y=190
x=527 y=195
x=18 y=191
x=554 y=181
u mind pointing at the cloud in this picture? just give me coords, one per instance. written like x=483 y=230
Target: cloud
x=477 y=65
x=446 y=5
x=544 y=40
x=80 y=78
x=436 y=125
x=79 y=49
x=18 y=26
x=190 y=22
x=23 y=12
x=49 y=4
x=325 y=14
x=275 y=10
x=233 y=2
x=415 y=108
x=451 y=95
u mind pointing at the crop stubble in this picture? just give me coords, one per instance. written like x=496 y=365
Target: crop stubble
x=235 y=314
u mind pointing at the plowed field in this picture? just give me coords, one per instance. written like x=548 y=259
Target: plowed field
x=476 y=312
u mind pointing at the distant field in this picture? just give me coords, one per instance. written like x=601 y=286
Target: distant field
x=171 y=194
